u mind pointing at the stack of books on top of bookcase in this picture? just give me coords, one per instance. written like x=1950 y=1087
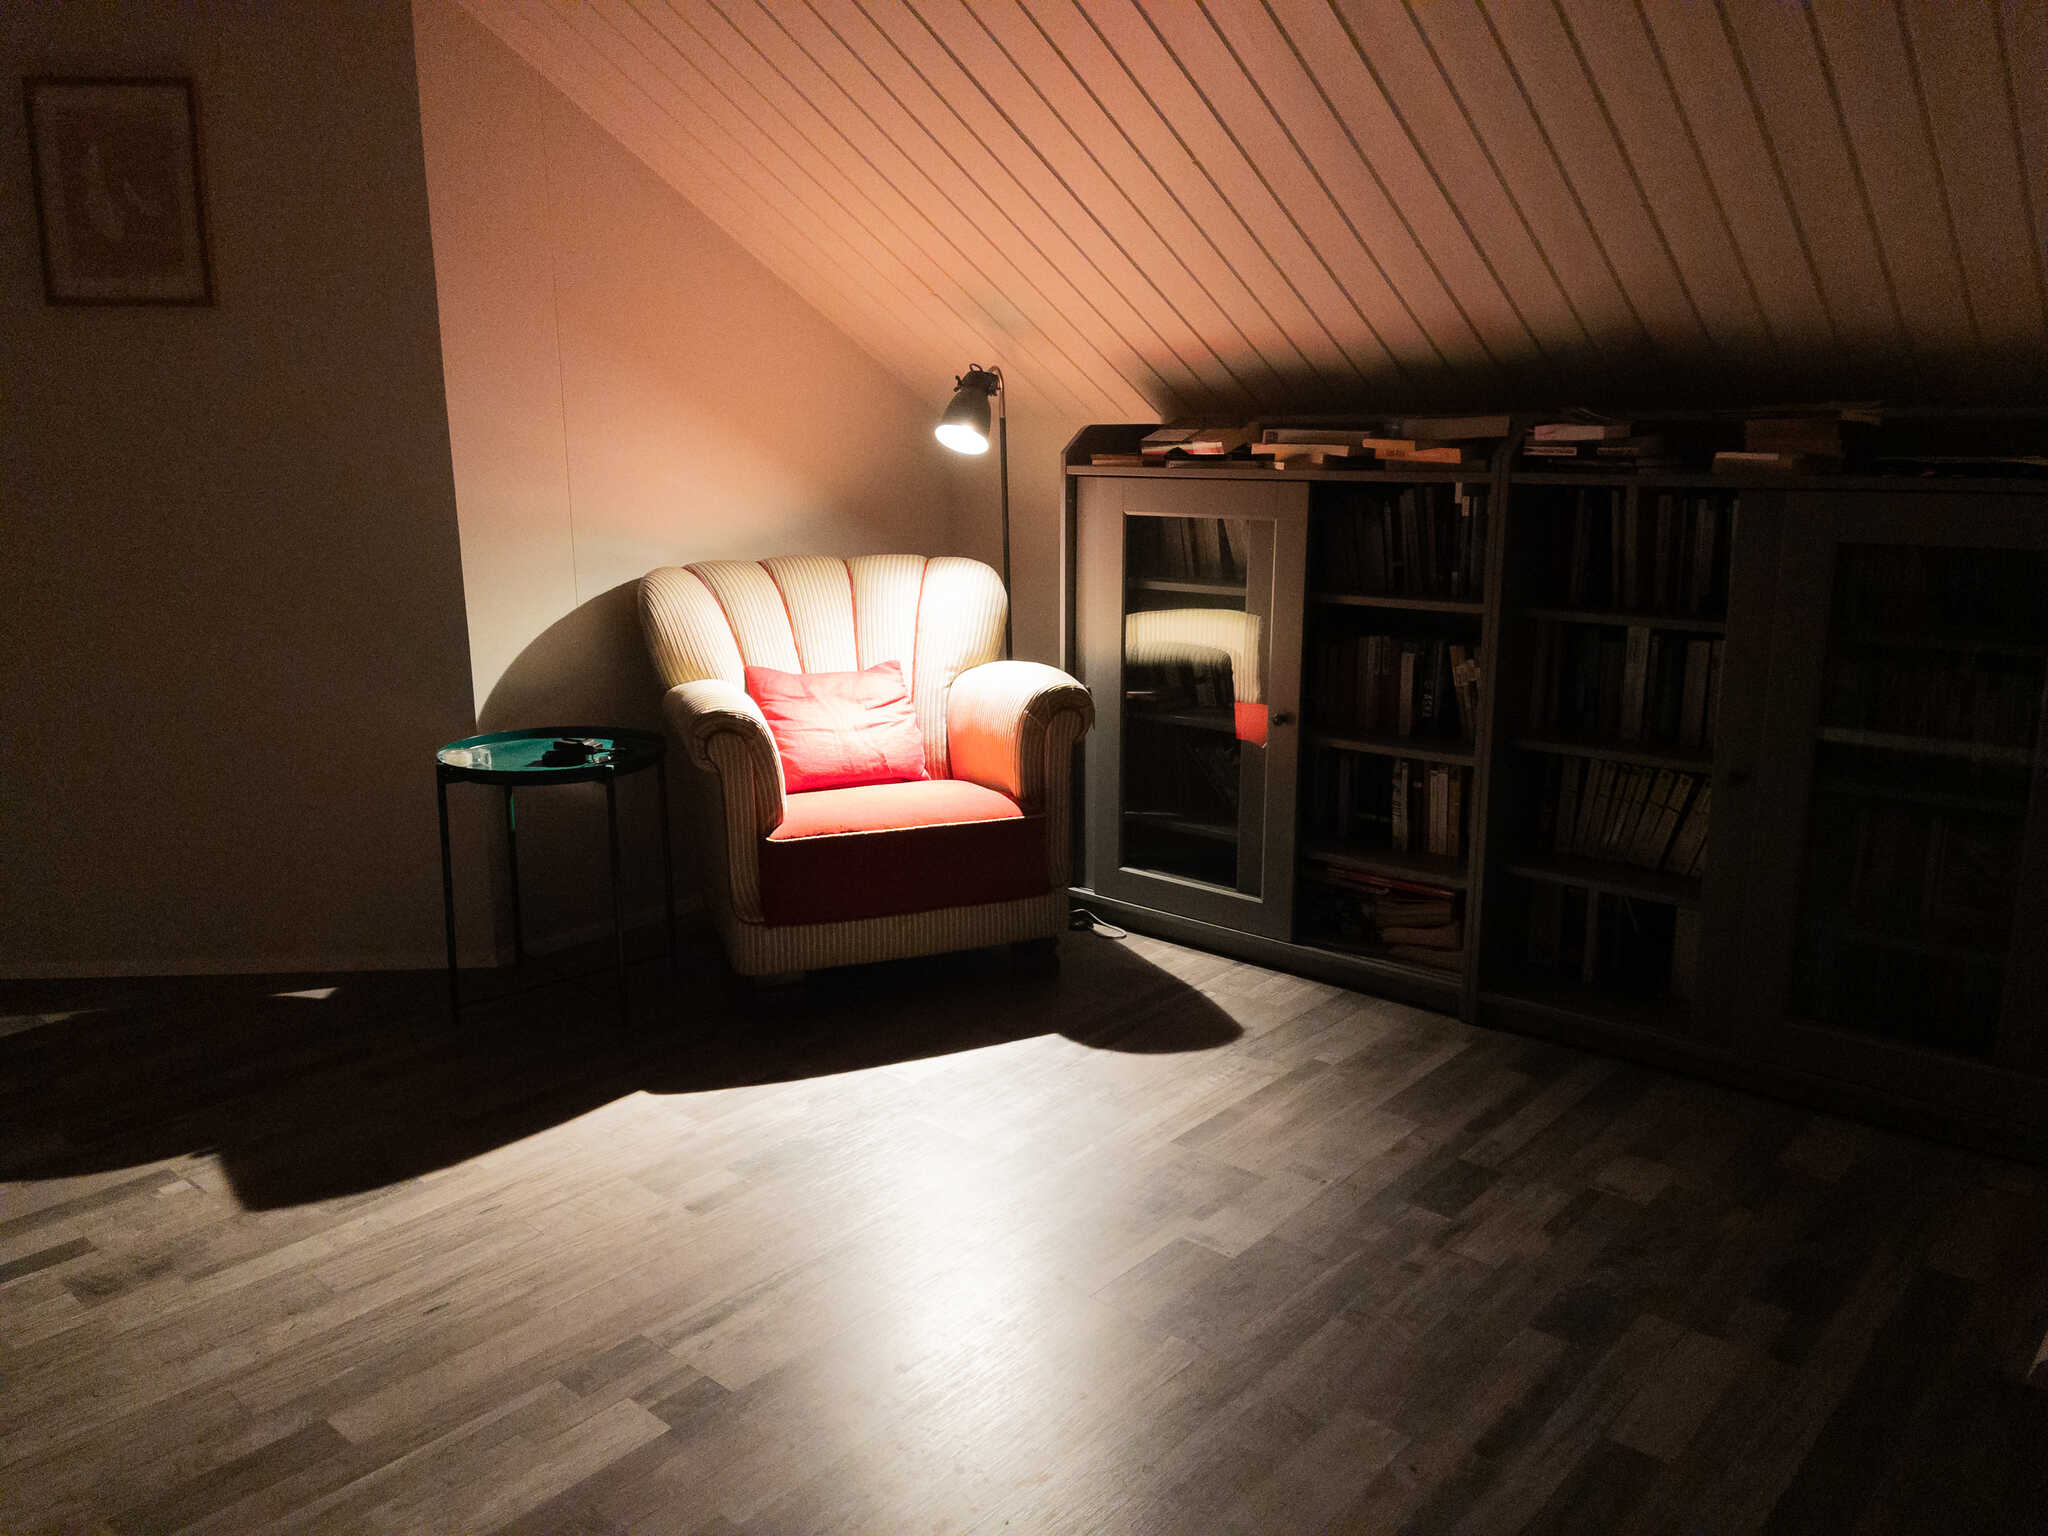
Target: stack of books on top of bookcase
x=1405 y=920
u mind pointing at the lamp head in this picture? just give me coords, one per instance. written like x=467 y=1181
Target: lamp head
x=964 y=426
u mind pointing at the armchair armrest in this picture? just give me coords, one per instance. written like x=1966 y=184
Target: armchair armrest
x=724 y=735
x=1011 y=726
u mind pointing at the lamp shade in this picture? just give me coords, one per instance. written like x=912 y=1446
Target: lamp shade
x=964 y=426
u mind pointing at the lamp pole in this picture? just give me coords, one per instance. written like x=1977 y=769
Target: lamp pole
x=1003 y=473
x=978 y=394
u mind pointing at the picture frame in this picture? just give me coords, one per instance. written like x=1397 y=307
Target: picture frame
x=115 y=169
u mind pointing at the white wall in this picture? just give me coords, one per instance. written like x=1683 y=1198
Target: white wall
x=231 y=605
x=627 y=388
x=1038 y=438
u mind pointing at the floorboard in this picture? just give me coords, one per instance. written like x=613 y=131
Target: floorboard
x=1157 y=1242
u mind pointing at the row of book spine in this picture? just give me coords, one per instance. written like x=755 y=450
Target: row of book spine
x=1653 y=818
x=1887 y=588
x=1665 y=553
x=1371 y=803
x=1420 y=541
x=1910 y=870
x=1977 y=699
x=1188 y=548
x=1639 y=684
x=1382 y=684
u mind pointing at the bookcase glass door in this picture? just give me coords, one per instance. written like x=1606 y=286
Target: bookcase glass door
x=1918 y=857
x=1192 y=789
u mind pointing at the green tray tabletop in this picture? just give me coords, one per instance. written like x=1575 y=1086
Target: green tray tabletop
x=513 y=757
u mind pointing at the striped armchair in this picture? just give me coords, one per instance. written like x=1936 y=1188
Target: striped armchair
x=976 y=854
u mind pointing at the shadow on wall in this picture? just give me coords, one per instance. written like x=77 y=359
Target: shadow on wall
x=311 y=1092
x=589 y=668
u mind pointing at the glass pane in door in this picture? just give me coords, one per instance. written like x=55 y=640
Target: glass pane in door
x=1195 y=681
x=1930 y=709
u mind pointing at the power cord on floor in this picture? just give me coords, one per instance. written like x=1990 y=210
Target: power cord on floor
x=1081 y=918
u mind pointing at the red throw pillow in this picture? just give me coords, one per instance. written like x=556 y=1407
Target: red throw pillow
x=837 y=729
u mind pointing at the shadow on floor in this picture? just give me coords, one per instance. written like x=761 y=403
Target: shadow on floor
x=311 y=1088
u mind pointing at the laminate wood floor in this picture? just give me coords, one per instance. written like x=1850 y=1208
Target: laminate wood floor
x=1162 y=1243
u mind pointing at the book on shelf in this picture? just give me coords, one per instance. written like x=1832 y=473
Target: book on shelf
x=1636 y=685
x=1392 y=685
x=1417 y=541
x=1209 y=549
x=1330 y=438
x=1436 y=453
x=1452 y=428
x=1372 y=803
x=1580 y=431
x=1624 y=813
x=1216 y=442
x=1661 y=552
x=1834 y=435
x=1978 y=698
x=1422 y=924
x=1165 y=445
x=1294 y=445
x=1933 y=873
x=1644 y=455
x=1649 y=446
x=1749 y=462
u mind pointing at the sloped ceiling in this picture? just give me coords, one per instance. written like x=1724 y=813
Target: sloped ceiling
x=1247 y=206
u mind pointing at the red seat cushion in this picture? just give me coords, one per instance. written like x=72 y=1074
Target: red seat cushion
x=834 y=729
x=881 y=850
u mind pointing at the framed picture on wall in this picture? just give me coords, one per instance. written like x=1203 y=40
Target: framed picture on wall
x=116 y=172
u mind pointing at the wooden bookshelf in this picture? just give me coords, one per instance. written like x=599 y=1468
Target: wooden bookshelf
x=1610 y=878
x=1423 y=747
x=1683 y=760
x=1220 y=721
x=1618 y=620
x=1397 y=604
x=1421 y=868
x=1925 y=746
x=1381 y=956
x=1188 y=588
x=1761 y=568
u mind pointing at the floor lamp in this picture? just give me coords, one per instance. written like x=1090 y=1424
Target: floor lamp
x=964 y=429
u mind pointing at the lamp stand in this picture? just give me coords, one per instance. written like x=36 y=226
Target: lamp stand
x=1003 y=469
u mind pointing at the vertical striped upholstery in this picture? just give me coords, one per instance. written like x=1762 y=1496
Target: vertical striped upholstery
x=812 y=613
x=1009 y=725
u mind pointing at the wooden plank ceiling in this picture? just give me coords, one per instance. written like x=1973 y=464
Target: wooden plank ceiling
x=1160 y=207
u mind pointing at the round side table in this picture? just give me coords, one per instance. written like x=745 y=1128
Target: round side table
x=514 y=760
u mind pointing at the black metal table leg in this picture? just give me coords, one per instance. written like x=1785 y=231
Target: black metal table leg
x=668 y=865
x=611 y=817
x=512 y=862
x=448 y=899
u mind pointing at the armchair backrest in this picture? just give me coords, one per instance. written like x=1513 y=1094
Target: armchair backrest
x=817 y=613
